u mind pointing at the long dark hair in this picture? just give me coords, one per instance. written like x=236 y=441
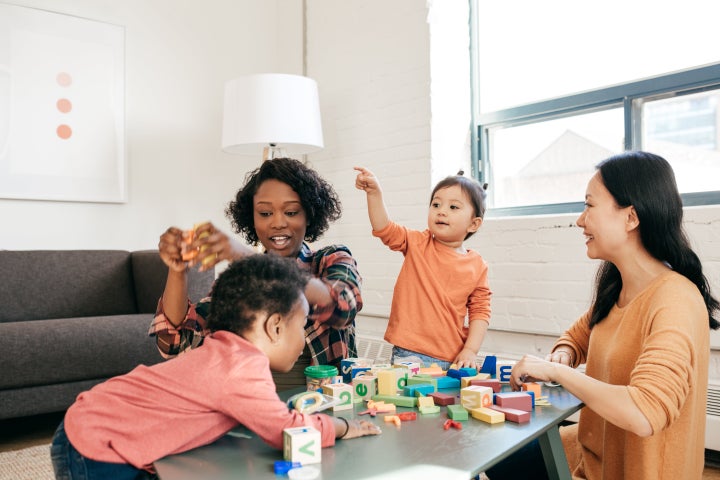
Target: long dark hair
x=647 y=182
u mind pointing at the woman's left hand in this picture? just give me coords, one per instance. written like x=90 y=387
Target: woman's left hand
x=531 y=369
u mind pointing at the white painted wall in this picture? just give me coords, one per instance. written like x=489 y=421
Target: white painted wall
x=178 y=54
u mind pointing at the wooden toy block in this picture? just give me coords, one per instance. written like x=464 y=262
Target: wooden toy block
x=503 y=370
x=429 y=410
x=422 y=379
x=489 y=365
x=516 y=400
x=358 y=370
x=426 y=401
x=343 y=391
x=413 y=367
x=532 y=387
x=476 y=396
x=399 y=400
x=467 y=381
x=365 y=386
x=445 y=383
x=457 y=412
x=418 y=390
x=302 y=444
x=433 y=370
x=488 y=415
x=442 y=398
x=386 y=382
x=493 y=383
x=401 y=378
x=513 y=415
x=380 y=407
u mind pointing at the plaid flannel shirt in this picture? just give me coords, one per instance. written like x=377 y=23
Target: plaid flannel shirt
x=329 y=331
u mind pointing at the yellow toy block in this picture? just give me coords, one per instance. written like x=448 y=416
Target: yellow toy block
x=302 y=444
x=488 y=415
x=429 y=410
x=425 y=402
x=387 y=382
x=503 y=369
x=476 y=396
x=365 y=386
x=343 y=391
x=466 y=381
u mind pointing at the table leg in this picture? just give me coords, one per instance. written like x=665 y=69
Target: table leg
x=554 y=455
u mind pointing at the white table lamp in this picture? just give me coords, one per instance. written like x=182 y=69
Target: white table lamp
x=274 y=113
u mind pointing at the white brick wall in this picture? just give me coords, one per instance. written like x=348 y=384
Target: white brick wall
x=372 y=63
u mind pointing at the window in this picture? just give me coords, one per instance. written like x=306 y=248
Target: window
x=663 y=97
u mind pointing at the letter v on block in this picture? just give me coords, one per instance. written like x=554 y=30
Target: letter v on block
x=307 y=449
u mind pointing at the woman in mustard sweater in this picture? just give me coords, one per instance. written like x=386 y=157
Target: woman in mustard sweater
x=645 y=338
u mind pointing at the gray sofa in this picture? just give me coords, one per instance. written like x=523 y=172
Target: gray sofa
x=70 y=319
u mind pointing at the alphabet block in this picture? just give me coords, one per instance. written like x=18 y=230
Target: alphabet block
x=343 y=391
x=476 y=396
x=302 y=444
x=503 y=371
x=365 y=386
x=489 y=365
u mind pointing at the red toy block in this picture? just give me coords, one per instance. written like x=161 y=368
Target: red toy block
x=452 y=423
x=442 y=398
x=490 y=382
x=512 y=414
x=407 y=416
x=518 y=400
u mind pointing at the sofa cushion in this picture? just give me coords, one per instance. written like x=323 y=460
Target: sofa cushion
x=44 y=352
x=41 y=284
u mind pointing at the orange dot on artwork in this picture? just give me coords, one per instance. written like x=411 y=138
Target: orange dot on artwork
x=64 y=131
x=64 y=105
x=64 y=79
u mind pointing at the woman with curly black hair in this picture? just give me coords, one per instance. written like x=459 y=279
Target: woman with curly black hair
x=282 y=205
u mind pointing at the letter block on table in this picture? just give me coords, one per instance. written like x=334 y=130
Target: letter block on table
x=512 y=414
x=488 y=415
x=518 y=400
x=476 y=396
x=413 y=367
x=302 y=444
x=365 y=386
x=342 y=391
x=503 y=370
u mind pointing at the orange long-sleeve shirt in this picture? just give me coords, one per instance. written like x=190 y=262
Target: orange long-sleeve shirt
x=436 y=289
x=658 y=345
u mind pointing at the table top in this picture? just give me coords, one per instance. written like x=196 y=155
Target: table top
x=416 y=446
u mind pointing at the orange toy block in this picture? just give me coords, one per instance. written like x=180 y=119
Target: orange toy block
x=393 y=418
x=433 y=370
x=488 y=415
x=532 y=387
x=381 y=407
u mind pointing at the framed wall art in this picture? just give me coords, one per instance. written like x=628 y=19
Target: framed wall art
x=62 y=134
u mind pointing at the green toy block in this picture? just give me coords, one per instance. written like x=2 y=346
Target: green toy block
x=397 y=400
x=429 y=410
x=457 y=412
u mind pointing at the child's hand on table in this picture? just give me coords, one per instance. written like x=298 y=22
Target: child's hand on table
x=359 y=428
x=466 y=359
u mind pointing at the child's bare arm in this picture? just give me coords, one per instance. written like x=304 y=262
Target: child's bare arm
x=346 y=429
x=467 y=356
x=377 y=211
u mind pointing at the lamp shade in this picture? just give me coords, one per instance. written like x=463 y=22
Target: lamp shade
x=271 y=109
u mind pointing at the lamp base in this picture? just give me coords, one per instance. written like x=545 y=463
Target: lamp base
x=273 y=151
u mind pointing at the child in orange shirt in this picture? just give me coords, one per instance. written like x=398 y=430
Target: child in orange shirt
x=441 y=283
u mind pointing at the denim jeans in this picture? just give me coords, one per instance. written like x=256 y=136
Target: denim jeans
x=69 y=464
x=402 y=355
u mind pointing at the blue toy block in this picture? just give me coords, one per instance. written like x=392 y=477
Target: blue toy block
x=489 y=365
x=418 y=389
x=453 y=373
x=447 y=382
x=468 y=372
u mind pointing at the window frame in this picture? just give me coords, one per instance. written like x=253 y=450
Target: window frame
x=630 y=96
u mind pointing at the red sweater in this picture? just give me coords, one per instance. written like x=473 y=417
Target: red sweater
x=184 y=403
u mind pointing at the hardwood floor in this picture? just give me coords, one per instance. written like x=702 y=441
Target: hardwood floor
x=18 y=433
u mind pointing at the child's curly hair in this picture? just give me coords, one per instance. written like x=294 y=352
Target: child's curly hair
x=260 y=283
x=318 y=198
